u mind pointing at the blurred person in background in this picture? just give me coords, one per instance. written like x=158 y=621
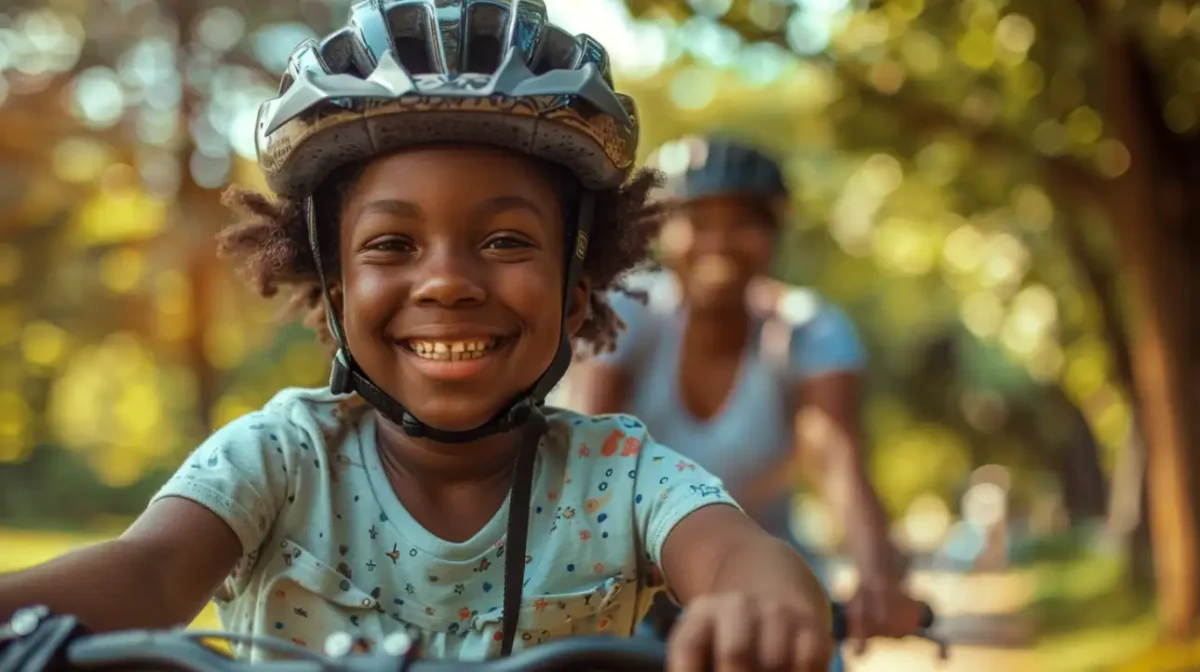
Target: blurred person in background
x=745 y=375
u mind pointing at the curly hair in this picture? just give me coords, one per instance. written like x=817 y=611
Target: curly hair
x=269 y=245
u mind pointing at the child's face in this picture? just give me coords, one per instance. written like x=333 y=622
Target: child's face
x=452 y=268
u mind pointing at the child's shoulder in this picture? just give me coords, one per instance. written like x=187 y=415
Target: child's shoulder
x=594 y=447
x=314 y=402
x=300 y=413
x=608 y=433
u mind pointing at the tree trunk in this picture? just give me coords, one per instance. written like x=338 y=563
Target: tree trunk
x=1155 y=251
x=196 y=212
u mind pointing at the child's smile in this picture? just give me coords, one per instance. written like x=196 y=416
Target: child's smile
x=454 y=354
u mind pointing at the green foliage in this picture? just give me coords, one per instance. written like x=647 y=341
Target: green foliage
x=1084 y=592
x=57 y=488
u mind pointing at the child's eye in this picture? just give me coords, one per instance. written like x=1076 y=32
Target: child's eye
x=506 y=242
x=392 y=245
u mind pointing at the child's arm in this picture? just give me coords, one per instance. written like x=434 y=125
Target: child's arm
x=158 y=574
x=216 y=511
x=718 y=549
x=751 y=600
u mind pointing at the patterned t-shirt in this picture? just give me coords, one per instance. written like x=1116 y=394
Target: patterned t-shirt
x=329 y=547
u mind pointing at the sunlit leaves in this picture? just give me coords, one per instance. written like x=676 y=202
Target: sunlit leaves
x=124 y=212
x=119 y=406
x=917 y=459
x=43 y=345
x=16 y=430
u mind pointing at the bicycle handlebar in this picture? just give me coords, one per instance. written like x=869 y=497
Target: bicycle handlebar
x=36 y=641
x=841 y=623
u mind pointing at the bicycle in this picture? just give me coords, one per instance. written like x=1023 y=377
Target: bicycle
x=38 y=641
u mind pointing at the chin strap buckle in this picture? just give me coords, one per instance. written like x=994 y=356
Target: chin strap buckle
x=340 y=374
x=411 y=426
x=518 y=414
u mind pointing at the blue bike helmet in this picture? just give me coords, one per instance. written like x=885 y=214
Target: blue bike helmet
x=720 y=166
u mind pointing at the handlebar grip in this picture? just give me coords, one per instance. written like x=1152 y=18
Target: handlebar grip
x=841 y=622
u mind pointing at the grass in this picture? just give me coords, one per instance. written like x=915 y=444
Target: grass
x=1091 y=592
x=1090 y=619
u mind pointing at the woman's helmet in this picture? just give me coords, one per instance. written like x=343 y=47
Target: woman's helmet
x=719 y=166
x=409 y=72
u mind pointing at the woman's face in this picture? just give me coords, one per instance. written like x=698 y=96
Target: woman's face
x=452 y=268
x=716 y=246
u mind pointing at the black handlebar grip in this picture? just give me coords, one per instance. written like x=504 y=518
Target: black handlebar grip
x=927 y=617
x=841 y=623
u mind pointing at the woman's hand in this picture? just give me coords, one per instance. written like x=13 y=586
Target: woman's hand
x=882 y=609
x=739 y=632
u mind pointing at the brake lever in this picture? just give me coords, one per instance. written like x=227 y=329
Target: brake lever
x=942 y=644
x=841 y=629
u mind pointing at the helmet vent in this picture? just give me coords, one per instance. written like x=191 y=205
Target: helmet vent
x=487 y=26
x=411 y=32
x=337 y=51
x=559 y=51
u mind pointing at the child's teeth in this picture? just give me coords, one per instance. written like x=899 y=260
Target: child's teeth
x=450 y=350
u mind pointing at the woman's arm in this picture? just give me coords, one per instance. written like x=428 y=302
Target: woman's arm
x=158 y=574
x=828 y=431
x=828 y=440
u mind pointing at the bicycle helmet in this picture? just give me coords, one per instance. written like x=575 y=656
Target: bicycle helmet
x=409 y=72
x=718 y=166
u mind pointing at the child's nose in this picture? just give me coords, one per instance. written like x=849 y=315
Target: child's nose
x=449 y=278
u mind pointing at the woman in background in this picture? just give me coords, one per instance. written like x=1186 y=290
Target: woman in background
x=744 y=374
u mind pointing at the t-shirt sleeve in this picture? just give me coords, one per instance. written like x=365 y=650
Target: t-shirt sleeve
x=242 y=473
x=668 y=488
x=828 y=343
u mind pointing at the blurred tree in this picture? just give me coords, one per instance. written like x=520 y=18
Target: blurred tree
x=1101 y=100
x=120 y=121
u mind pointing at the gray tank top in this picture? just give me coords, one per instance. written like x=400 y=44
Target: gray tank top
x=753 y=431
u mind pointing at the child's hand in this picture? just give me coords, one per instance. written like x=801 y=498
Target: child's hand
x=737 y=632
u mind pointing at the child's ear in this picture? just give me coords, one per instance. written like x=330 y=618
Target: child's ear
x=339 y=304
x=579 y=306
